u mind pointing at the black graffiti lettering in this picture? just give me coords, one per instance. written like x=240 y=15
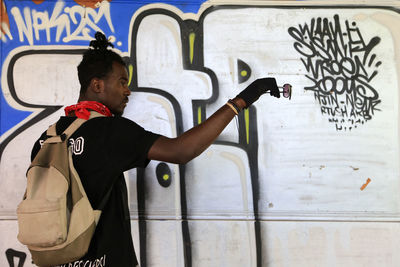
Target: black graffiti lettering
x=350 y=102
x=301 y=45
x=343 y=110
x=374 y=104
x=348 y=67
x=340 y=65
x=312 y=67
x=304 y=49
x=342 y=85
x=327 y=85
x=11 y=254
x=366 y=91
x=334 y=112
x=319 y=48
x=330 y=99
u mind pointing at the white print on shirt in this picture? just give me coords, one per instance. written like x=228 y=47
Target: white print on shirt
x=77 y=145
x=88 y=263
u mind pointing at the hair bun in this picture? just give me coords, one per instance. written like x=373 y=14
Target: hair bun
x=101 y=42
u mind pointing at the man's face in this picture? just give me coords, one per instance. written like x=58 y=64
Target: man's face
x=116 y=91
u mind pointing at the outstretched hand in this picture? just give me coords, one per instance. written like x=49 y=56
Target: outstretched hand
x=257 y=88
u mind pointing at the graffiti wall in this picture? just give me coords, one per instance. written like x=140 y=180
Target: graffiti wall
x=310 y=181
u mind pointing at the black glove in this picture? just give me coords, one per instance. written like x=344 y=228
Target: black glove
x=257 y=88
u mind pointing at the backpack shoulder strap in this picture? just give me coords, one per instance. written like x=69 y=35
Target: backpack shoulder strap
x=52 y=130
x=78 y=122
x=52 y=135
x=70 y=130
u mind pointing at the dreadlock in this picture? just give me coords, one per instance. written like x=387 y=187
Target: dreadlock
x=97 y=61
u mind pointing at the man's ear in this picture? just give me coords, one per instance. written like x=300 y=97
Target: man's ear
x=97 y=85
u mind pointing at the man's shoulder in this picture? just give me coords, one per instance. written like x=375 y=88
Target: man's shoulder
x=109 y=126
x=115 y=121
x=65 y=120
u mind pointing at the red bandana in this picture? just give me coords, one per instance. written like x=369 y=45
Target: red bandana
x=81 y=109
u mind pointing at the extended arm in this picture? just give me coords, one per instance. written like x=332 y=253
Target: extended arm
x=194 y=141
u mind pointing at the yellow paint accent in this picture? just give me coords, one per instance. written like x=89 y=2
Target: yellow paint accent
x=130 y=69
x=247 y=123
x=243 y=73
x=165 y=177
x=192 y=36
x=199 y=115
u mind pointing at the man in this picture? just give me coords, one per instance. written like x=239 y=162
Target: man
x=110 y=145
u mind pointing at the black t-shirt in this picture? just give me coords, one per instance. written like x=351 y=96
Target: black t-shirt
x=103 y=148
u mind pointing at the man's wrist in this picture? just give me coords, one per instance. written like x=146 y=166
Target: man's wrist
x=239 y=102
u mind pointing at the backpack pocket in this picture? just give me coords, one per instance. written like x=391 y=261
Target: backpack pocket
x=42 y=222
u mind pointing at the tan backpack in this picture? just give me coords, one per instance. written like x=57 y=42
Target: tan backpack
x=56 y=220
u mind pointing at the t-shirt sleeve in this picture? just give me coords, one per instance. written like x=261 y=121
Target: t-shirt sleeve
x=130 y=144
x=37 y=146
